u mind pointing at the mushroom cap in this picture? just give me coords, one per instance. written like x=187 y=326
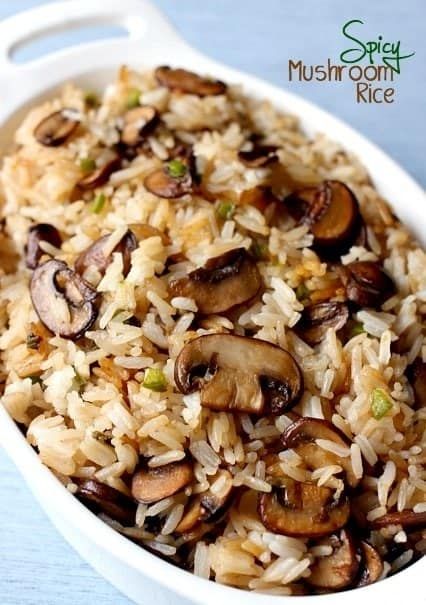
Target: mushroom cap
x=188 y=82
x=316 y=319
x=302 y=434
x=224 y=282
x=337 y=570
x=63 y=301
x=55 y=129
x=245 y=373
x=303 y=510
x=107 y=499
x=94 y=255
x=153 y=484
x=42 y=232
x=372 y=564
x=137 y=124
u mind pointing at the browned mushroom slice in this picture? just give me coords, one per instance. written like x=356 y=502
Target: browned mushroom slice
x=137 y=124
x=259 y=156
x=318 y=318
x=416 y=374
x=170 y=183
x=372 y=567
x=338 y=569
x=189 y=82
x=151 y=485
x=94 y=255
x=208 y=506
x=240 y=374
x=42 y=232
x=332 y=213
x=110 y=501
x=63 y=301
x=100 y=175
x=55 y=129
x=406 y=518
x=366 y=283
x=301 y=436
x=303 y=509
x=224 y=282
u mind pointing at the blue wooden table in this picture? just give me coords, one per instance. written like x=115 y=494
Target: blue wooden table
x=36 y=566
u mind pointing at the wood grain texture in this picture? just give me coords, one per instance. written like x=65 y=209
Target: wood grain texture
x=37 y=567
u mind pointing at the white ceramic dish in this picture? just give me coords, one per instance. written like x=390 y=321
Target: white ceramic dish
x=143 y=577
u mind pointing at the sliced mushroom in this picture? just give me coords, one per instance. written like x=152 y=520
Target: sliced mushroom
x=208 y=506
x=188 y=82
x=372 y=564
x=237 y=373
x=94 y=255
x=259 y=156
x=63 y=301
x=163 y=184
x=302 y=435
x=332 y=213
x=153 y=484
x=303 y=509
x=405 y=518
x=337 y=570
x=42 y=232
x=224 y=282
x=55 y=129
x=110 y=501
x=318 y=318
x=100 y=175
x=367 y=285
x=137 y=124
x=416 y=374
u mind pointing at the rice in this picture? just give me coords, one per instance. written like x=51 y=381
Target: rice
x=124 y=398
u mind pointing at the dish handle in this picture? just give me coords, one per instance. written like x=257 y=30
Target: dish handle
x=148 y=32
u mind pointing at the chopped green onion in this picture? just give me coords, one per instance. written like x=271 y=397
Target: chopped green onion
x=259 y=250
x=33 y=341
x=78 y=382
x=133 y=98
x=226 y=210
x=357 y=328
x=87 y=164
x=380 y=403
x=91 y=99
x=302 y=292
x=98 y=203
x=176 y=169
x=154 y=380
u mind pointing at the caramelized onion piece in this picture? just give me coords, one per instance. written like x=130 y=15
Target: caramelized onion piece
x=302 y=435
x=151 y=485
x=108 y=500
x=318 y=318
x=63 y=301
x=55 y=129
x=337 y=570
x=303 y=510
x=188 y=82
x=367 y=285
x=100 y=176
x=224 y=282
x=94 y=255
x=372 y=564
x=42 y=232
x=331 y=211
x=236 y=373
x=137 y=124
